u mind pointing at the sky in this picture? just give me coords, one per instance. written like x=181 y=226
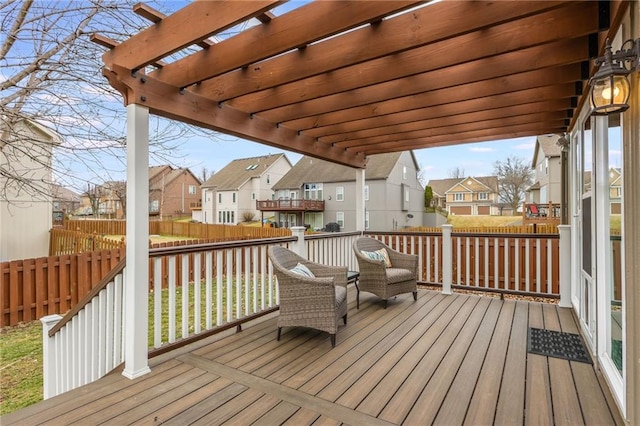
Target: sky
x=475 y=159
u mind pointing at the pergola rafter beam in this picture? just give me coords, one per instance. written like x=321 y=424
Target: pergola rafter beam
x=453 y=120
x=538 y=57
x=543 y=117
x=165 y=101
x=527 y=32
x=486 y=89
x=190 y=25
x=297 y=28
x=478 y=135
x=389 y=37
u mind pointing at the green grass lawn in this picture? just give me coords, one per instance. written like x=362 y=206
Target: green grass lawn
x=20 y=366
x=478 y=221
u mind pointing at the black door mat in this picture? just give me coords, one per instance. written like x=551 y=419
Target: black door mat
x=557 y=344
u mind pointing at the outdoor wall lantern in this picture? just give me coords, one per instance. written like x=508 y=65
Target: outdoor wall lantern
x=610 y=86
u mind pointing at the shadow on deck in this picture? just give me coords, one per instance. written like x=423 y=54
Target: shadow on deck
x=459 y=359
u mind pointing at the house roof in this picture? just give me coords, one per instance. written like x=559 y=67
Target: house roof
x=441 y=186
x=546 y=145
x=342 y=81
x=237 y=172
x=59 y=192
x=313 y=170
x=170 y=174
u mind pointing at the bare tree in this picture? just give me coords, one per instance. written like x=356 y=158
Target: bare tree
x=95 y=193
x=205 y=174
x=514 y=178
x=457 y=173
x=119 y=189
x=50 y=73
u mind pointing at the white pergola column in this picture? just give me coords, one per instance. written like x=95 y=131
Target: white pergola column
x=360 y=174
x=565 y=265
x=136 y=288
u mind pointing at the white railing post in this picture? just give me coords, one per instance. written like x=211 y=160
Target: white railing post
x=48 y=356
x=298 y=246
x=447 y=259
x=136 y=282
x=565 y=266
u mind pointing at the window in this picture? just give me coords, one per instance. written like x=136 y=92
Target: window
x=483 y=196
x=155 y=204
x=546 y=166
x=268 y=179
x=313 y=191
x=340 y=219
x=233 y=198
x=253 y=195
x=366 y=220
x=219 y=197
x=219 y=217
x=192 y=189
x=366 y=192
x=339 y=193
x=404 y=172
x=458 y=196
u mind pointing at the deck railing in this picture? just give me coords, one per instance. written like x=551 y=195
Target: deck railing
x=199 y=290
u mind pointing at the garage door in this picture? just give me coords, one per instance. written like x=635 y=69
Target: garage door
x=484 y=210
x=462 y=210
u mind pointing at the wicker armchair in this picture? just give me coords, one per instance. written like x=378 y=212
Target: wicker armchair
x=383 y=281
x=315 y=302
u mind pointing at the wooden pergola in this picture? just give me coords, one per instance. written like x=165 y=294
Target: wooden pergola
x=341 y=80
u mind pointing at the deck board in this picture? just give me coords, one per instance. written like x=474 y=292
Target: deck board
x=481 y=410
x=444 y=359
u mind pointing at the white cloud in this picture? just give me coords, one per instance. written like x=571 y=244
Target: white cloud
x=481 y=149
x=525 y=146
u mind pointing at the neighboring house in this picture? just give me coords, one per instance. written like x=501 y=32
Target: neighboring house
x=470 y=196
x=615 y=190
x=316 y=192
x=112 y=199
x=65 y=202
x=230 y=195
x=26 y=210
x=172 y=191
x=547 y=180
x=439 y=188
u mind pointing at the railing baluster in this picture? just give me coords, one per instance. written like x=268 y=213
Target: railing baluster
x=157 y=302
x=229 y=278
x=209 y=290
x=538 y=271
x=219 y=288
x=197 y=297
x=527 y=267
x=476 y=249
x=184 y=284
x=507 y=278
x=172 y=299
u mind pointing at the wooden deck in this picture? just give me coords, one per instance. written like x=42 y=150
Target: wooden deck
x=447 y=360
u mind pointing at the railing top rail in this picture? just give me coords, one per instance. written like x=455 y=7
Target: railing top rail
x=194 y=248
x=507 y=235
x=331 y=235
x=467 y=234
x=86 y=299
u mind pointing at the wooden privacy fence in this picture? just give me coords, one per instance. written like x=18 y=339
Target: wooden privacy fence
x=65 y=241
x=33 y=288
x=181 y=229
x=539 y=228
